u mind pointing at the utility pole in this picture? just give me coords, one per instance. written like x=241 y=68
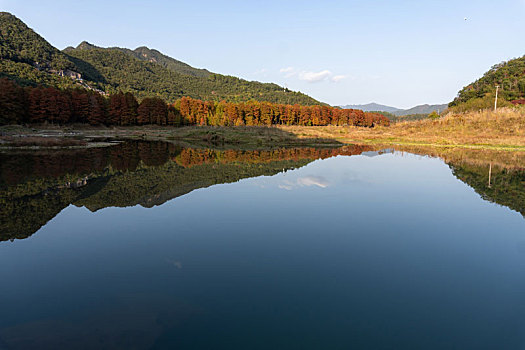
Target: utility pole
x=496 y=100
x=490 y=174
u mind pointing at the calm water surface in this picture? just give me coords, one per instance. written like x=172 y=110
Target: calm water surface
x=218 y=250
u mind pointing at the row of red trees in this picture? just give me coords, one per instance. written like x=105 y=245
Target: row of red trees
x=265 y=113
x=46 y=104
x=190 y=157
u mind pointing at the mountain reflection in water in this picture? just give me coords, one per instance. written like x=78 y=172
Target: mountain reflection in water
x=36 y=186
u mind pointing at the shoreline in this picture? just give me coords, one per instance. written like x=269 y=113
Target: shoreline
x=503 y=131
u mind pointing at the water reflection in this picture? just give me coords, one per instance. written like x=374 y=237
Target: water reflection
x=498 y=176
x=374 y=251
x=35 y=187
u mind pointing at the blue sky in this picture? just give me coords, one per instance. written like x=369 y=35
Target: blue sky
x=399 y=53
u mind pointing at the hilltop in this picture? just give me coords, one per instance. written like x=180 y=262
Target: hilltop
x=29 y=59
x=509 y=75
x=146 y=54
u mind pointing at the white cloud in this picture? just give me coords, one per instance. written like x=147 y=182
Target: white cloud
x=318 y=181
x=314 y=77
x=306 y=181
x=337 y=78
x=286 y=70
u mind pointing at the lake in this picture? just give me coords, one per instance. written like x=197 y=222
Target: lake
x=150 y=245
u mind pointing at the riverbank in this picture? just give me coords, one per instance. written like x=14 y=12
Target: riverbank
x=503 y=130
x=75 y=136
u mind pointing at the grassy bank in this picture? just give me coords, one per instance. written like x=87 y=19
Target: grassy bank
x=481 y=129
x=246 y=137
x=503 y=130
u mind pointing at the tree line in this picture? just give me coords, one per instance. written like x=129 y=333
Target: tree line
x=30 y=105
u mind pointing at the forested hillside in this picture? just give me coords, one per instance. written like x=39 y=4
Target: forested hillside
x=29 y=59
x=510 y=76
x=21 y=44
x=121 y=69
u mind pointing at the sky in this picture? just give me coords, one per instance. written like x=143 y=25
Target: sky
x=398 y=53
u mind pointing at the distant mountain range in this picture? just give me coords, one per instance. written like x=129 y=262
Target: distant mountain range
x=29 y=59
x=420 y=109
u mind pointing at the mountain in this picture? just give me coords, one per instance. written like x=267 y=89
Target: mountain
x=373 y=107
x=420 y=109
x=150 y=55
x=423 y=109
x=145 y=54
x=21 y=44
x=154 y=74
x=29 y=59
x=509 y=75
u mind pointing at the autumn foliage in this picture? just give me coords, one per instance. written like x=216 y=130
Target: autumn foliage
x=50 y=105
x=197 y=112
x=190 y=157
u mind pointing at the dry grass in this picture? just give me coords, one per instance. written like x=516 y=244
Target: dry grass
x=506 y=128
